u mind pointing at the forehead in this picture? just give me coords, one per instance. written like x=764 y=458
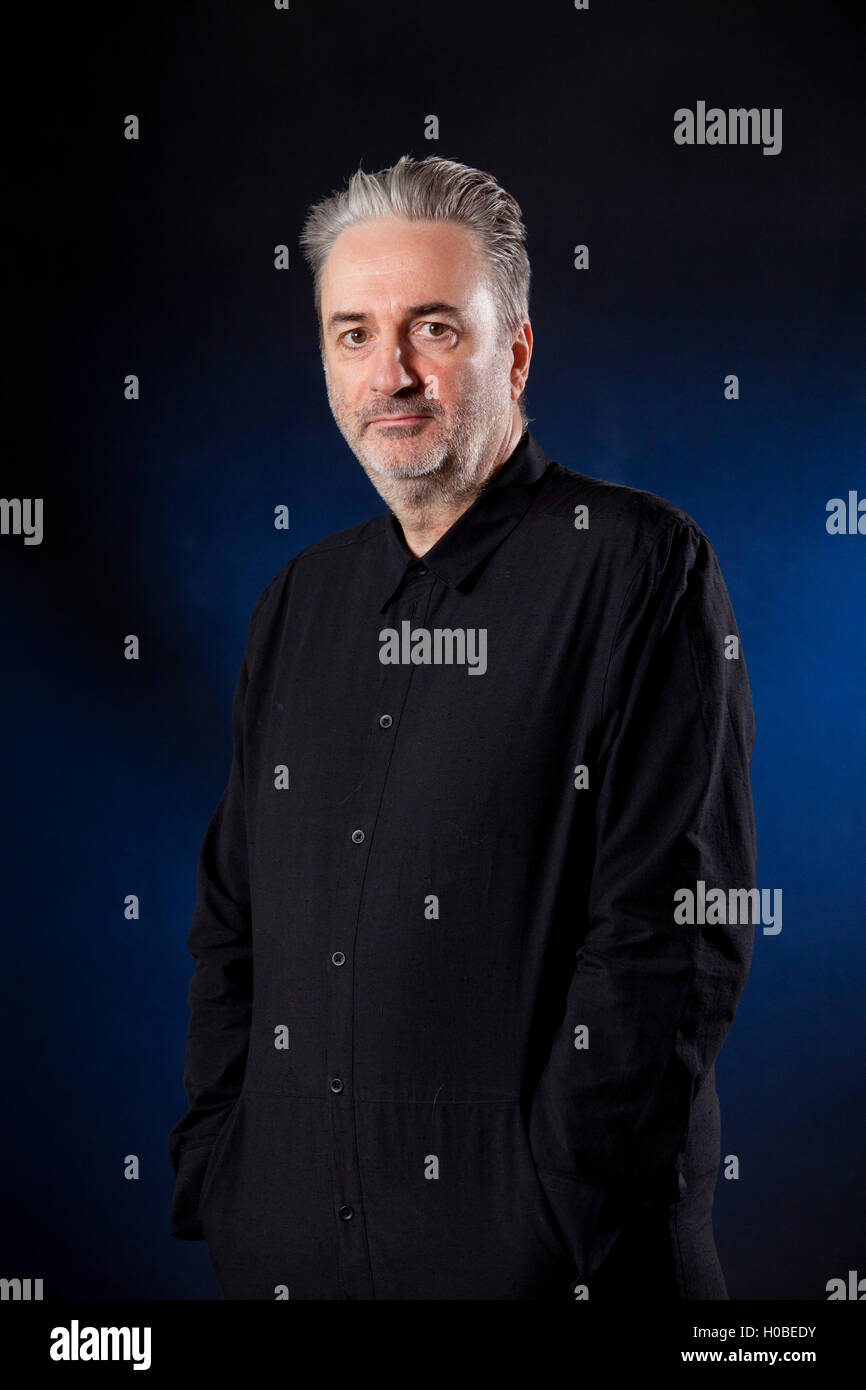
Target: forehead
x=394 y=262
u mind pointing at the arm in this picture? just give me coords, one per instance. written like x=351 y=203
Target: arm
x=673 y=805
x=220 y=992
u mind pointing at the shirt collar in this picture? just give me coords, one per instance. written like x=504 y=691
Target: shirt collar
x=478 y=531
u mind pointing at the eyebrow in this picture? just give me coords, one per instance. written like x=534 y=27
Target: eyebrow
x=432 y=306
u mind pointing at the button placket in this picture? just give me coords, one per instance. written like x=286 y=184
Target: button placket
x=355 y=1271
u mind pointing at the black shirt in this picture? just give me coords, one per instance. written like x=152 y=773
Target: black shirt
x=443 y=1022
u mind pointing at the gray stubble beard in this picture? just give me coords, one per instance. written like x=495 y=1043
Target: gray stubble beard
x=447 y=472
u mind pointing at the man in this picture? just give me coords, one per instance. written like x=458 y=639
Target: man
x=447 y=1039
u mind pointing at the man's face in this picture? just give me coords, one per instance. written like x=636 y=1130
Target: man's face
x=416 y=363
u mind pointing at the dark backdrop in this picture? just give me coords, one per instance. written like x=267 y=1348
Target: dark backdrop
x=155 y=257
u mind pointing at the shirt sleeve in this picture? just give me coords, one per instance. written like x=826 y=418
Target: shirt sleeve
x=673 y=805
x=220 y=991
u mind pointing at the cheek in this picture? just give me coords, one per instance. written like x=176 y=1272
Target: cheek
x=340 y=388
x=354 y=380
x=451 y=381
x=478 y=371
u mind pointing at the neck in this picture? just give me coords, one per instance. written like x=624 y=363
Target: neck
x=424 y=523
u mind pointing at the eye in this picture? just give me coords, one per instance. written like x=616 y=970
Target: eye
x=437 y=337
x=347 y=335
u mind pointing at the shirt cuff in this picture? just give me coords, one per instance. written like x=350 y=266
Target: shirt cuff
x=578 y=1209
x=191 y=1168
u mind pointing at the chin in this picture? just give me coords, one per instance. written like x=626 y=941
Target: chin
x=389 y=468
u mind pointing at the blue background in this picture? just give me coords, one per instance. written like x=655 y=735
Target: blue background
x=156 y=258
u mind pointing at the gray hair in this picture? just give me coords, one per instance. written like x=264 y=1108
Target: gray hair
x=434 y=190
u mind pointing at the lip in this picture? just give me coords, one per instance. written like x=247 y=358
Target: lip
x=398 y=419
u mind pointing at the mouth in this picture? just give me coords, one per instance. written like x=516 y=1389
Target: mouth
x=399 y=419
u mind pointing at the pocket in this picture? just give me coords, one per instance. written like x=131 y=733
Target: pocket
x=218 y=1153
x=452 y=1203
x=537 y=1205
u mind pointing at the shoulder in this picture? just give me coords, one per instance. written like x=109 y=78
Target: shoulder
x=613 y=509
x=318 y=562
x=623 y=531
x=328 y=551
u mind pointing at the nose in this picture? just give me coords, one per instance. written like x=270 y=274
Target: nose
x=392 y=368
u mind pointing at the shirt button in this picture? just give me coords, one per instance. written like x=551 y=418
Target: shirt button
x=422 y=569
x=336 y=1084
x=338 y=958
x=385 y=721
x=358 y=836
x=347 y=1212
